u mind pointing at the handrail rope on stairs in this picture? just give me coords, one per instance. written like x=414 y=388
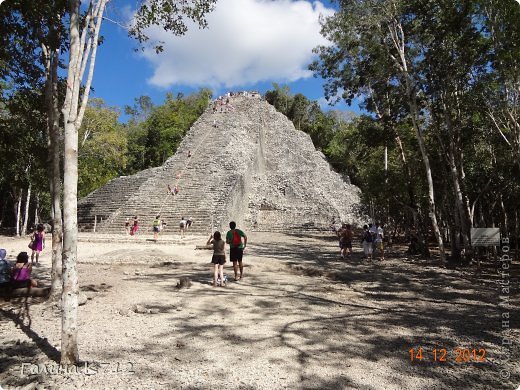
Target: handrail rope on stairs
x=179 y=175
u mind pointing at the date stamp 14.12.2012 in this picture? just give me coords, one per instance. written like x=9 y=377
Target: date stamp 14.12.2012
x=443 y=355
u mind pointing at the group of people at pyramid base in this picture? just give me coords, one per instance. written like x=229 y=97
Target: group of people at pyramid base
x=372 y=240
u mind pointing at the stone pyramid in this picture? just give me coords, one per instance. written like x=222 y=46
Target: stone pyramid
x=248 y=164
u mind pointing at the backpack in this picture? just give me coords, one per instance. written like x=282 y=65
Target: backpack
x=5 y=271
x=367 y=236
x=237 y=239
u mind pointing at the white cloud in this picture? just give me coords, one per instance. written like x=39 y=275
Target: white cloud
x=247 y=41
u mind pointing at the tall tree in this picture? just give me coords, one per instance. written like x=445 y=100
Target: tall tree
x=433 y=66
x=83 y=42
x=33 y=38
x=103 y=147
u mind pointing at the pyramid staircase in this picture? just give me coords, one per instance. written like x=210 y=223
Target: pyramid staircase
x=254 y=168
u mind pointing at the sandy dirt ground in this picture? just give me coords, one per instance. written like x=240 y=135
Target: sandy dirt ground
x=301 y=318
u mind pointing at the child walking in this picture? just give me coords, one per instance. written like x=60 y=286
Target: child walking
x=219 y=257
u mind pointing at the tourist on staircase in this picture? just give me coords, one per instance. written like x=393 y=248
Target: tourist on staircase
x=174 y=191
x=157 y=224
x=135 y=226
x=182 y=226
x=127 y=226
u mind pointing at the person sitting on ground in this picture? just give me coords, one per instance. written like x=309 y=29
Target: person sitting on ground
x=21 y=276
x=366 y=241
x=5 y=270
x=219 y=258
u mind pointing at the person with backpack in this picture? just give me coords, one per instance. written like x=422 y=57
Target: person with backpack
x=236 y=248
x=366 y=242
x=373 y=231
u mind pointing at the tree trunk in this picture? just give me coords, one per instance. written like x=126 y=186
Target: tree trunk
x=82 y=52
x=417 y=218
x=69 y=332
x=26 y=213
x=53 y=167
x=399 y=42
x=18 y=212
x=37 y=209
x=463 y=217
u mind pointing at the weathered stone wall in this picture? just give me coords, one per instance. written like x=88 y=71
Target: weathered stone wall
x=254 y=168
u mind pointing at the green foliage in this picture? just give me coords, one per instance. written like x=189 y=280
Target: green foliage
x=22 y=139
x=306 y=115
x=154 y=133
x=24 y=27
x=456 y=62
x=171 y=15
x=103 y=147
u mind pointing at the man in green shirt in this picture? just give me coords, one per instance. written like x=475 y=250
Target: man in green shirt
x=236 y=248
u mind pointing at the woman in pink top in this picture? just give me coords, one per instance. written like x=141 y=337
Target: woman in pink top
x=22 y=272
x=38 y=239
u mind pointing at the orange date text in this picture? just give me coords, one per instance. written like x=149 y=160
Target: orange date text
x=442 y=355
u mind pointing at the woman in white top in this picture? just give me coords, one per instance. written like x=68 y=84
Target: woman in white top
x=219 y=257
x=182 y=226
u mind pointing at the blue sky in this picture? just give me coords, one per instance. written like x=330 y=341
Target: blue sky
x=249 y=45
